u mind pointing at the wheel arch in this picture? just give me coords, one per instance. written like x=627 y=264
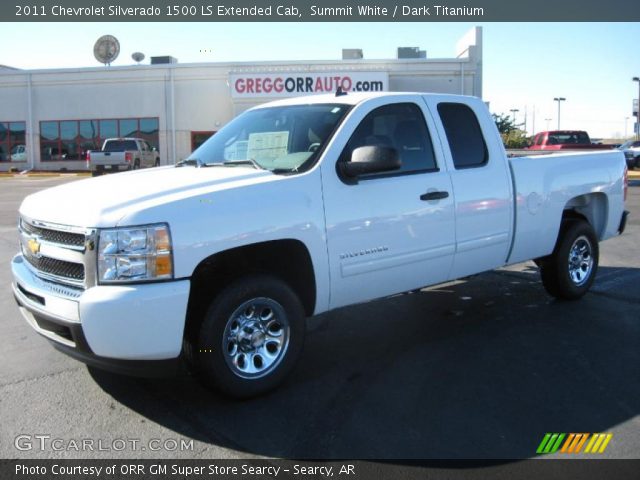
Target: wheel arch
x=592 y=207
x=287 y=259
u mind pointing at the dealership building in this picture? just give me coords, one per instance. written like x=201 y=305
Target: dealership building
x=50 y=118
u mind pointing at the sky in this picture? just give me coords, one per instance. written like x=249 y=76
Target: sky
x=525 y=65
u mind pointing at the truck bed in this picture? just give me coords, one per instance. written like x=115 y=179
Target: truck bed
x=544 y=184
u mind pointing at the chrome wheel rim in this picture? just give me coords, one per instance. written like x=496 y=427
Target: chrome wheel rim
x=580 y=261
x=256 y=338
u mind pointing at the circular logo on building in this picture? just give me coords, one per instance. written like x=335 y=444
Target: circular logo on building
x=106 y=49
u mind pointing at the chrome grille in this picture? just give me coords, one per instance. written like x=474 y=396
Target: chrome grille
x=58 y=253
x=54 y=236
x=53 y=266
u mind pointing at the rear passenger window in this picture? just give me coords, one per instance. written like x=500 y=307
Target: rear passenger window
x=466 y=142
x=401 y=126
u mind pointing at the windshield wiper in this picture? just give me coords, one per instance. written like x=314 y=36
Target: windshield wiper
x=249 y=161
x=191 y=161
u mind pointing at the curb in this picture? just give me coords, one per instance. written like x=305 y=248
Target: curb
x=42 y=175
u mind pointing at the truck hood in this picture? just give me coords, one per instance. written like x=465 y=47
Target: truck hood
x=104 y=201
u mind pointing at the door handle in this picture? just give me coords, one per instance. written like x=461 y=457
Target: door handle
x=434 y=196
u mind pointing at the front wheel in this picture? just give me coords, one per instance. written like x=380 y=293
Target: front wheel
x=251 y=336
x=570 y=270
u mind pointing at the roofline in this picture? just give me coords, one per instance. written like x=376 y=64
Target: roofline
x=250 y=65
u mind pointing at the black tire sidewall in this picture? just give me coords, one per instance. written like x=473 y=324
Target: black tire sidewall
x=209 y=353
x=558 y=264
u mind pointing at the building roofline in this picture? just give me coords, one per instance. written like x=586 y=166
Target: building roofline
x=238 y=65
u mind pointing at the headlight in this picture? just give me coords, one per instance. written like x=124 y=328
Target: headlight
x=135 y=254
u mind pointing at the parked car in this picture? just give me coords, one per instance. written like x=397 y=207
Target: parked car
x=295 y=208
x=565 y=140
x=54 y=153
x=122 y=154
x=18 y=154
x=631 y=150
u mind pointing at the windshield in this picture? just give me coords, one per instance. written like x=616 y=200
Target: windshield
x=280 y=139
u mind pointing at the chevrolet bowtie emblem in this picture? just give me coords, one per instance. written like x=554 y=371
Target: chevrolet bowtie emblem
x=34 y=246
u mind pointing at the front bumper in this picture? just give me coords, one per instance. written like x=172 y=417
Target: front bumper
x=135 y=329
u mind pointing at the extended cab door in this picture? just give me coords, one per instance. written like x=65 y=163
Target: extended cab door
x=481 y=181
x=392 y=232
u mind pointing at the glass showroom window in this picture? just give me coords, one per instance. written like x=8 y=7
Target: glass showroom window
x=72 y=139
x=12 y=142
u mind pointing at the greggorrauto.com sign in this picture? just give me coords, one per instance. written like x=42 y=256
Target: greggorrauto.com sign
x=289 y=84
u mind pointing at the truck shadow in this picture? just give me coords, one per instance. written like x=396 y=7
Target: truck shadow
x=479 y=369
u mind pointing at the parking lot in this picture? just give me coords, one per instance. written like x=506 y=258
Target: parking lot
x=480 y=368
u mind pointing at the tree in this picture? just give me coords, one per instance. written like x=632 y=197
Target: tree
x=512 y=136
x=504 y=123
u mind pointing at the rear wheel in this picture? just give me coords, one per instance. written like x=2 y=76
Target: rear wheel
x=570 y=270
x=157 y=163
x=251 y=336
x=136 y=164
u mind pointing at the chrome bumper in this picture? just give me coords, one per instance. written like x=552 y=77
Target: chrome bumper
x=38 y=298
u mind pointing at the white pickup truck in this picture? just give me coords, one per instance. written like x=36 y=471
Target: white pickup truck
x=122 y=154
x=294 y=208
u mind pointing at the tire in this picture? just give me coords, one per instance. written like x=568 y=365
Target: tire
x=263 y=322
x=157 y=163
x=570 y=270
x=136 y=164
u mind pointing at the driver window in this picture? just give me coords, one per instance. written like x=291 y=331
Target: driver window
x=400 y=126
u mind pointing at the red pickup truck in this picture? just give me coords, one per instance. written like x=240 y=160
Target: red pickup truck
x=565 y=140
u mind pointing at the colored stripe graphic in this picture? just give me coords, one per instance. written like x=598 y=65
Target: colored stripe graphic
x=543 y=443
x=598 y=443
x=550 y=443
x=606 y=442
x=581 y=442
x=574 y=442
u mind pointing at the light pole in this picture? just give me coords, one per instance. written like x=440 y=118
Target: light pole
x=626 y=120
x=514 y=111
x=547 y=120
x=559 y=99
x=637 y=128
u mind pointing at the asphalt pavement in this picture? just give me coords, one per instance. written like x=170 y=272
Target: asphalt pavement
x=481 y=368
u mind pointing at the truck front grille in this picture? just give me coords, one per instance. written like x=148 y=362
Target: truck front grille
x=53 y=266
x=56 y=253
x=55 y=236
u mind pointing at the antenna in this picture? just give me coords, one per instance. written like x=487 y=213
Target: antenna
x=106 y=49
x=137 y=57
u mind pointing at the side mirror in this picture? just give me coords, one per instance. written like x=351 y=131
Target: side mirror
x=370 y=159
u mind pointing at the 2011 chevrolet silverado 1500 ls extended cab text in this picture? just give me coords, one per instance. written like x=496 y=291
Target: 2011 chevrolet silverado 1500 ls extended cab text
x=294 y=208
